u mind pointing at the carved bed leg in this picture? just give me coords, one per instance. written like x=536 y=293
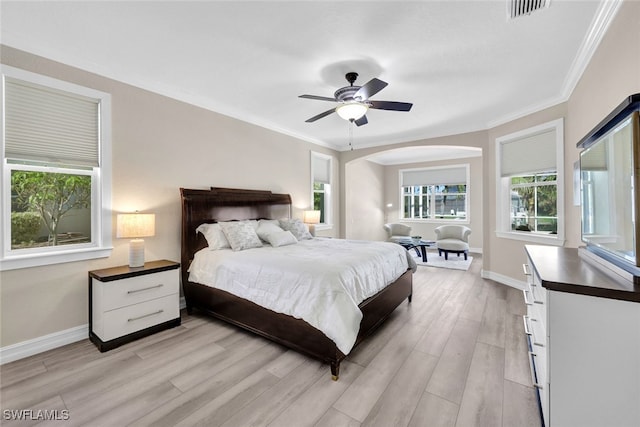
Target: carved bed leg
x=335 y=370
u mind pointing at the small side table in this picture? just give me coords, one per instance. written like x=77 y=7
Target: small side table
x=420 y=246
x=129 y=303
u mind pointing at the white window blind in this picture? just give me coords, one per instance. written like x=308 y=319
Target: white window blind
x=448 y=176
x=321 y=169
x=47 y=125
x=536 y=153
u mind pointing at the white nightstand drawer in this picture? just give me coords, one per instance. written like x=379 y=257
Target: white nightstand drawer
x=125 y=320
x=133 y=290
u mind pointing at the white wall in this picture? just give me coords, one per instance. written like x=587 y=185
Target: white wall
x=364 y=200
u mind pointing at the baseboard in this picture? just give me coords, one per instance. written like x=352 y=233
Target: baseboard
x=33 y=346
x=505 y=280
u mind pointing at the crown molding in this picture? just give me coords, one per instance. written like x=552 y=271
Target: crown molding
x=604 y=16
x=599 y=26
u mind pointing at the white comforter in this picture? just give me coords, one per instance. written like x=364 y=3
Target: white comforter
x=321 y=281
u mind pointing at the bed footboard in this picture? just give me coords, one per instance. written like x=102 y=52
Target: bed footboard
x=291 y=332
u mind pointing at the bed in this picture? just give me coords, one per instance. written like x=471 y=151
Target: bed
x=220 y=205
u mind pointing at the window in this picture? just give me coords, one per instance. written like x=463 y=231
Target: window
x=321 y=186
x=55 y=177
x=529 y=184
x=533 y=203
x=438 y=193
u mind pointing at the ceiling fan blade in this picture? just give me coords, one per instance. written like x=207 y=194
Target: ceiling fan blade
x=370 y=88
x=321 y=115
x=390 y=105
x=319 y=98
x=361 y=121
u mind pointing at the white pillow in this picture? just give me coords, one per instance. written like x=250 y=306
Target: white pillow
x=241 y=235
x=214 y=235
x=266 y=227
x=281 y=238
x=296 y=227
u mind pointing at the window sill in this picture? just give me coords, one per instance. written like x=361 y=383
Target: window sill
x=32 y=260
x=435 y=221
x=546 y=239
x=324 y=227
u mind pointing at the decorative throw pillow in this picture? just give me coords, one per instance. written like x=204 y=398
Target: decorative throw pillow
x=214 y=235
x=296 y=227
x=266 y=227
x=241 y=235
x=281 y=238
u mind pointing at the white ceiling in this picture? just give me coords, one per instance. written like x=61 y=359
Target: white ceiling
x=463 y=65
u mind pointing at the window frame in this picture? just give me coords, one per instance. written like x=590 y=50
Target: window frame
x=101 y=245
x=503 y=186
x=433 y=194
x=327 y=190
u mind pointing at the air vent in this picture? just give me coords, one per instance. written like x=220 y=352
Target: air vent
x=518 y=8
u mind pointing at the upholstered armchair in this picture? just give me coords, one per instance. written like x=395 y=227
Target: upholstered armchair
x=396 y=232
x=452 y=238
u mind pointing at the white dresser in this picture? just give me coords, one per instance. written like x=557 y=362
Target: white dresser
x=583 y=327
x=128 y=303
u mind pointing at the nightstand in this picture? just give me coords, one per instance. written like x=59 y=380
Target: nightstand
x=129 y=303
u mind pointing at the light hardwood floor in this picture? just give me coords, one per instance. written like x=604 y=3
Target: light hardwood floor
x=455 y=356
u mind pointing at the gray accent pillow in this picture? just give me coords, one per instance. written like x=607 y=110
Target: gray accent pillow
x=241 y=235
x=296 y=227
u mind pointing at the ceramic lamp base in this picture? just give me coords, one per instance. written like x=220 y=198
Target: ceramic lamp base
x=136 y=253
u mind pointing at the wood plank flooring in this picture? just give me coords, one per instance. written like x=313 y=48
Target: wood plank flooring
x=455 y=356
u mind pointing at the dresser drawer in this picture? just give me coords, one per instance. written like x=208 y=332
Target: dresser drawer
x=133 y=290
x=122 y=321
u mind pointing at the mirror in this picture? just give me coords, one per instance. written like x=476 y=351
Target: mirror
x=607 y=190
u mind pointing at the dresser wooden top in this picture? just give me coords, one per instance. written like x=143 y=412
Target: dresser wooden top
x=562 y=269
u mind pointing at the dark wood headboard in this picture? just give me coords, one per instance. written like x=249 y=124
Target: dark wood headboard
x=224 y=204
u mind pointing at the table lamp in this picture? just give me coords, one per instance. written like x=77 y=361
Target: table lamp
x=135 y=226
x=311 y=218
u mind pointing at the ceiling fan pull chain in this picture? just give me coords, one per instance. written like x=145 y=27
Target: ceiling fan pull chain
x=351 y=134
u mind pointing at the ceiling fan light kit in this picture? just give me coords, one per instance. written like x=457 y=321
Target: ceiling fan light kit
x=354 y=101
x=352 y=110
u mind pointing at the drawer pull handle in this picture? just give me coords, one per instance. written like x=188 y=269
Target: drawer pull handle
x=533 y=374
x=534 y=341
x=526 y=297
x=145 y=289
x=527 y=330
x=525 y=268
x=145 y=315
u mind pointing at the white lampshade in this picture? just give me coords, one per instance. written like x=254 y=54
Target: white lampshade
x=134 y=226
x=352 y=110
x=311 y=217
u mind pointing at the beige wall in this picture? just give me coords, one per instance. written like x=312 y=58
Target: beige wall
x=159 y=145
x=364 y=200
x=506 y=256
x=472 y=139
x=612 y=74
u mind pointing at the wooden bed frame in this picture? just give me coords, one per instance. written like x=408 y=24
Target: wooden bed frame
x=225 y=204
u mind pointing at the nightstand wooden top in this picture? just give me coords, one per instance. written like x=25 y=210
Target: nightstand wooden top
x=124 y=271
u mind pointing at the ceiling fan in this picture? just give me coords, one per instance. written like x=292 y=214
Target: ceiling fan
x=354 y=101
